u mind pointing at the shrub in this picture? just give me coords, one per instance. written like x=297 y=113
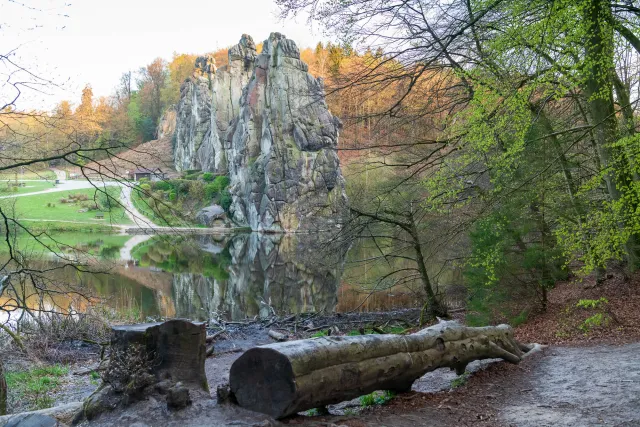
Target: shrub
x=222 y=182
x=208 y=176
x=225 y=200
x=183 y=187
x=192 y=176
x=162 y=185
x=211 y=190
x=376 y=398
x=597 y=320
x=196 y=190
x=145 y=187
x=591 y=303
x=460 y=380
x=104 y=202
x=173 y=196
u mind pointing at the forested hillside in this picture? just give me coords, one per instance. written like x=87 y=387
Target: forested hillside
x=511 y=144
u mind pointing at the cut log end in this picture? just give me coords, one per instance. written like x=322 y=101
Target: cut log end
x=263 y=380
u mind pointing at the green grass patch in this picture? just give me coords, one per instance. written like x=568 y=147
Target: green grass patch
x=38 y=226
x=376 y=398
x=460 y=380
x=165 y=212
x=60 y=206
x=33 y=387
x=43 y=174
x=7 y=188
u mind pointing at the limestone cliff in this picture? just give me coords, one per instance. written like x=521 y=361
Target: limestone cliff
x=264 y=121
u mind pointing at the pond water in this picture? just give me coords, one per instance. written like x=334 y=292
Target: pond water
x=201 y=277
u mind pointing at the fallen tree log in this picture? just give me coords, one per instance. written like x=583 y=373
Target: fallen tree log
x=285 y=378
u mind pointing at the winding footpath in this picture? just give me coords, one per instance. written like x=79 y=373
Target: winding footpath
x=142 y=224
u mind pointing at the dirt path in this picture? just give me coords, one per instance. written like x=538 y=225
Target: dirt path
x=134 y=214
x=578 y=387
x=563 y=386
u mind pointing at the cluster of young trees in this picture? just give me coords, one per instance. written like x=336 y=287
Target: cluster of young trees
x=518 y=120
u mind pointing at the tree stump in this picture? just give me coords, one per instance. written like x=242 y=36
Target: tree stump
x=285 y=378
x=152 y=359
x=176 y=349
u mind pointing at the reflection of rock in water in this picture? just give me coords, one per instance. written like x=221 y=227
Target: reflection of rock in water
x=267 y=273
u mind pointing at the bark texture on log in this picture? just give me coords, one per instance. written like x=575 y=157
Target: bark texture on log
x=285 y=378
x=177 y=348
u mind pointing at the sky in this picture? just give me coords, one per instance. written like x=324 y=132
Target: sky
x=75 y=42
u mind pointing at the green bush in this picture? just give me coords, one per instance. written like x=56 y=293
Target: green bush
x=208 y=176
x=221 y=182
x=145 y=187
x=173 y=196
x=225 y=200
x=591 y=303
x=211 y=190
x=162 y=185
x=192 y=176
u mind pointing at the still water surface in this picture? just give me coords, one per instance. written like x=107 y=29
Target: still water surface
x=229 y=277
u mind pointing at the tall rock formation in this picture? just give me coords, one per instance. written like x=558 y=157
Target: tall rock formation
x=264 y=121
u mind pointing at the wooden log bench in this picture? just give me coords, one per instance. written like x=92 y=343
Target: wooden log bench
x=285 y=378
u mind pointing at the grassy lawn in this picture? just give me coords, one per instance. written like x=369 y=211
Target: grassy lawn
x=171 y=220
x=38 y=226
x=30 y=187
x=31 y=389
x=49 y=207
x=43 y=174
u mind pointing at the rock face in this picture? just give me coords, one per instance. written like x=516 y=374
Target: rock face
x=263 y=120
x=211 y=216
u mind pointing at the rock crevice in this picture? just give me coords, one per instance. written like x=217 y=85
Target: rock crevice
x=263 y=120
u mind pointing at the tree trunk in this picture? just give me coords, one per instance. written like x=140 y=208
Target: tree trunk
x=434 y=307
x=3 y=391
x=285 y=378
x=177 y=348
x=599 y=55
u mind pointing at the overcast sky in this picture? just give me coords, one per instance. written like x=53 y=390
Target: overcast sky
x=95 y=41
